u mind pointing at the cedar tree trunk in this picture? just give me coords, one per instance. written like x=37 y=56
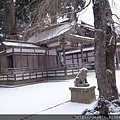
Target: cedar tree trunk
x=105 y=47
x=10 y=20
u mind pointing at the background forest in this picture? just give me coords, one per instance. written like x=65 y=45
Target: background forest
x=18 y=16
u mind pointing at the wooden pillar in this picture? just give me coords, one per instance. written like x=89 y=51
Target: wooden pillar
x=58 y=59
x=21 y=56
x=64 y=58
x=27 y=61
x=33 y=58
x=77 y=59
x=82 y=53
x=87 y=57
x=45 y=59
x=38 y=60
x=13 y=57
x=48 y=60
x=47 y=64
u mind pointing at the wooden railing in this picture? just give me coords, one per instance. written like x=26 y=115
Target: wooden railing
x=38 y=72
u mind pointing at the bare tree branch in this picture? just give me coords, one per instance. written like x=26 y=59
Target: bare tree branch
x=7 y=2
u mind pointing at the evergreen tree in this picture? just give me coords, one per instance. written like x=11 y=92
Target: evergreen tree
x=56 y=8
x=22 y=17
x=44 y=13
x=2 y=22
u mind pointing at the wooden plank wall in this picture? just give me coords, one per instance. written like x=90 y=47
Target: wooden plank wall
x=30 y=61
x=76 y=58
x=4 y=62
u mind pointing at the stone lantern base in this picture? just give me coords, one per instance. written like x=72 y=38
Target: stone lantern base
x=83 y=94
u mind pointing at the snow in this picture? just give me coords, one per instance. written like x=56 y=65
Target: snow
x=84 y=49
x=52 y=97
x=83 y=37
x=1 y=35
x=62 y=19
x=54 y=32
x=19 y=44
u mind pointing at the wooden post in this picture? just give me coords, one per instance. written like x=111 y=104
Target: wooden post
x=21 y=56
x=82 y=53
x=45 y=58
x=57 y=58
x=72 y=64
x=27 y=61
x=64 y=58
x=77 y=60
x=48 y=59
x=87 y=57
x=34 y=58
x=38 y=61
x=72 y=60
x=13 y=57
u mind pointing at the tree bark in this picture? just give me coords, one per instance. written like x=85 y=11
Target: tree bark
x=11 y=30
x=105 y=46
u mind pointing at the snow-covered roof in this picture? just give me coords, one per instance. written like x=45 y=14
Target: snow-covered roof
x=76 y=51
x=21 y=44
x=62 y=19
x=54 y=32
x=82 y=38
x=84 y=49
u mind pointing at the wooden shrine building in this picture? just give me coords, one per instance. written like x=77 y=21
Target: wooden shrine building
x=57 y=52
x=61 y=39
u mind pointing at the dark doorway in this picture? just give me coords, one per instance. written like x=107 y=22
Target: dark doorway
x=10 y=61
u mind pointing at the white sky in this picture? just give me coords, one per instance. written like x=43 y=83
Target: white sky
x=87 y=14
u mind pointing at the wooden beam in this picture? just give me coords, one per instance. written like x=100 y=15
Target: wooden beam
x=77 y=59
x=27 y=61
x=79 y=39
x=82 y=53
x=21 y=56
x=14 y=65
x=64 y=57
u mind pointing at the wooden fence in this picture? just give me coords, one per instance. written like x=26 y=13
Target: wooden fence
x=37 y=74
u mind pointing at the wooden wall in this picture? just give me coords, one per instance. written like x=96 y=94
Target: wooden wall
x=3 y=62
x=34 y=61
x=75 y=58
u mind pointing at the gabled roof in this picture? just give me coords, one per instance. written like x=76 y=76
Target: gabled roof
x=52 y=33
x=26 y=47
x=78 y=51
x=62 y=29
x=18 y=44
x=78 y=38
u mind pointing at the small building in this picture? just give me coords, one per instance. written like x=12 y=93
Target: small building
x=22 y=62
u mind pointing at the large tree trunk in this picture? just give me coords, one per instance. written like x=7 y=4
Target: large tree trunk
x=105 y=46
x=10 y=20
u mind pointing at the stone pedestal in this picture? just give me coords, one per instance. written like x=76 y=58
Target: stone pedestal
x=83 y=94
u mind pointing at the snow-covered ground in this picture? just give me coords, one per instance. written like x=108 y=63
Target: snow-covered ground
x=45 y=98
